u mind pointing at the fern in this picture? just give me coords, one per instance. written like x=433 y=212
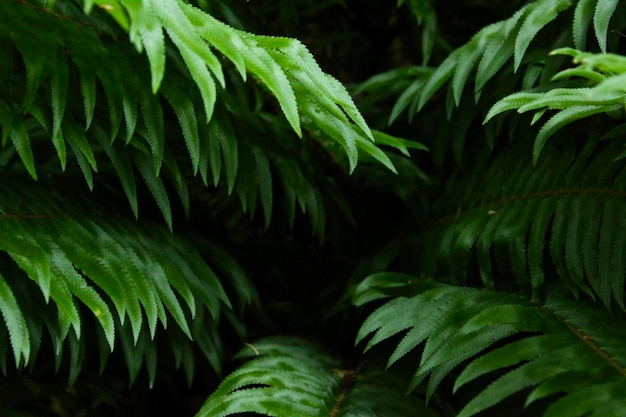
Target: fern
x=494 y=45
x=572 y=103
x=559 y=348
x=128 y=288
x=137 y=115
x=536 y=218
x=288 y=376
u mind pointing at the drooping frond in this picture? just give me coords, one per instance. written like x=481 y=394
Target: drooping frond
x=558 y=220
x=495 y=45
x=568 y=353
x=80 y=89
x=291 y=377
x=131 y=278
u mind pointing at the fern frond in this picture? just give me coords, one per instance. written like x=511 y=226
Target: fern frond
x=494 y=45
x=50 y=110
x=270 y=59
x=558 y=348
x=129 y=278
x=607 y=96
x=517 y=219
x=491 y=48
x=288 y=376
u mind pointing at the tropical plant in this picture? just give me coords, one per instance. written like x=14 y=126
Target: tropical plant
x=181 y=180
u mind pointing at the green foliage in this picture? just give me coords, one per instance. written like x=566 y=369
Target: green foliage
x=606 y=71
x=180 y=178
x=129 y=278
x=557 y=347
x=288 y=376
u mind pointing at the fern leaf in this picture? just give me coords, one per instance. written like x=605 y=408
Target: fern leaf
x=15 y=324
x=288 y=377
x=113 y=91
x=469 y=57
x=456 y=352
x=87 y=73
x=516 y=380
x=569 y=381
x=598 y=399
x=185 y=36
x=330 y=95
x=270 y=72
x=21 y=140
x=113 y=8
x=222 y=133
x=579 y=72
x=373 y=286
x=48 y=275
x=6 y=121
x=499 y=49
x=124 y=171
x=542 y=14
x=186 y=114
x=602 y=15
x=79 y=143
x=510 y=102
x=155 y=185
x=85 y=293
x=563 y=98
x=570 y=221
x=376 y=153
x=511 y=354
x=336 y=129
x=140 y=268
x=59 y=86
x=129 y=107
x=198 y=69
x=152 y=39
x=442 y=74
x=35 y=60
x=583 y=15
x=154 y=133
x=607 y=242
x=563 y=118
x=407 y=97
x=219 y=36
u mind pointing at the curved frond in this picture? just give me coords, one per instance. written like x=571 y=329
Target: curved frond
x=130 y=277
x=289 y=376
x=555 y=347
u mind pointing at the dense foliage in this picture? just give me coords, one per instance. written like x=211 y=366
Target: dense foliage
x=312 y=208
